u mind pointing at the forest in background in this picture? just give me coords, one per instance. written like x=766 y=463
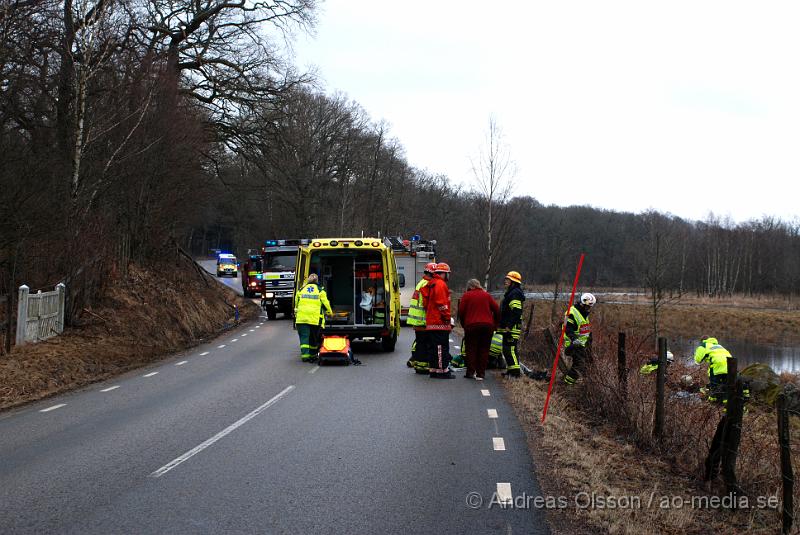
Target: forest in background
x=139 y=130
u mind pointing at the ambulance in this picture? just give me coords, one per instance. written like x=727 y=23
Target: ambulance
x=360 y=277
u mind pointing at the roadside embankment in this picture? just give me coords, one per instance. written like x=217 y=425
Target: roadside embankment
x=140 y=319
x=598 y=451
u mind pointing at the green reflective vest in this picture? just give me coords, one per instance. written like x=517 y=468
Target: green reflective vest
x=497 y=344
x=416 y=310
x=716 y=356
x=582 y=325
x=309 y=303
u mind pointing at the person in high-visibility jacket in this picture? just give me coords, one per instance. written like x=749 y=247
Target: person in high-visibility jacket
x=511 y=320
x=652 y=364
x=416 y=318
x=578 y=337
x=496 y=351
x=310 y=305
x=716 y=356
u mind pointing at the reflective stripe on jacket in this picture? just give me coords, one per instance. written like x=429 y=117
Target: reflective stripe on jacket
x=309 y=304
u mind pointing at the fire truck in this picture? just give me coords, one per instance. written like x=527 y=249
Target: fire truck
x=252 y=274
x=278 y=261
x=411 y=256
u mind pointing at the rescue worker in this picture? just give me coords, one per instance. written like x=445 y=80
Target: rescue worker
x=438 y=322
x=717 y=357
x=511 y=321
x=578 y=337
x=652 y=364
x=496 y=351
x=416 y=318
x=310 y=305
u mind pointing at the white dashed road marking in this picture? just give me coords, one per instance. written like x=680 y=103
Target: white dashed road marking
x=54 y=407
x=220 y=346
x=492 y=413
x=313 y=369
x=181 y=363
x=499 y=444
x=252 y=330
x=244 y=334
x=204 y=353
x=197 y=449
x=504 y=493
x=485 y=393
x=110 y=388
x=150 y=374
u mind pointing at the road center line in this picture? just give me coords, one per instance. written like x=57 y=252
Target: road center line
x=110 y=388
x=204 y=353
x=499 y=444
x=181 y=363
x=150 y=374
x=54 y=407
x=492 y=413
x=485 y=393
x=197 y=449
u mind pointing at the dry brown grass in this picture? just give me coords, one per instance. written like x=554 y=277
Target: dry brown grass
x=690 y=321
x=140 y=320
x=595 y=439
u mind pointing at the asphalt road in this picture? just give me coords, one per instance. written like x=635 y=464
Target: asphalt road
x=239 y=436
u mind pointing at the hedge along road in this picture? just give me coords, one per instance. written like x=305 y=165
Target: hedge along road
x=240 y=436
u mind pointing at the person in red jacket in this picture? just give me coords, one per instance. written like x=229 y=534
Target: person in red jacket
x=479 y=314
x=438 y=323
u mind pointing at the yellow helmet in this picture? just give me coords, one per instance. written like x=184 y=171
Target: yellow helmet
x=514 y=276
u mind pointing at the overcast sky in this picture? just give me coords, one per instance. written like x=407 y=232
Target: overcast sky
x=677 y=106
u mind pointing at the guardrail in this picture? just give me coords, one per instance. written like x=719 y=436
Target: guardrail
x=40 y=315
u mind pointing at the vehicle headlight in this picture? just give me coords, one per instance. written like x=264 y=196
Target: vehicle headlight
x=252 y=284
x=269 y=295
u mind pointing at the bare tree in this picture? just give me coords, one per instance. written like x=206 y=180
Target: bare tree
x=494 y=173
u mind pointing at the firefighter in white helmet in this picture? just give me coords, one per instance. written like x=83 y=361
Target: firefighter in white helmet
x=578 y=337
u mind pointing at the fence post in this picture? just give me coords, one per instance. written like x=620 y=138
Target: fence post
x=658 y=428
x=62 y=292
x=622 y=367
x=731 y=439
x=22 y=314
x=786 y=464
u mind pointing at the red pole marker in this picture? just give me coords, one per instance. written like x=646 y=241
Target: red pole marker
x=561 y=340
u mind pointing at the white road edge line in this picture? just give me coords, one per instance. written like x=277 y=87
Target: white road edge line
x=492 y=413
x=181 y=363
x=110 y=388
x=499 y=444
x=150 y=374
x=504 y=493
x=485 y=393
x=197 y=449
x=54 y=407
x=204 y=353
